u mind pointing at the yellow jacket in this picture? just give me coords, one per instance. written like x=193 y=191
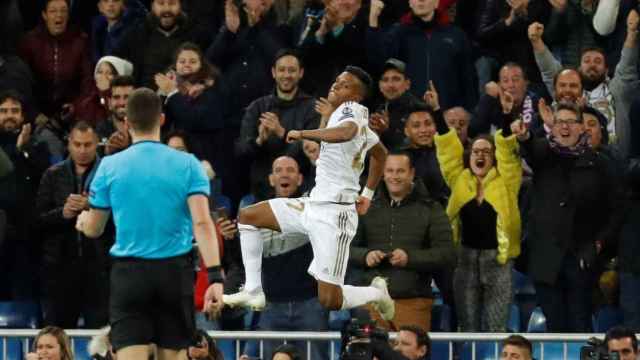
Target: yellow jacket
x=501 y=186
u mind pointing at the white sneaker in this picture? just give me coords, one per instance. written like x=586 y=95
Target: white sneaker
x=254 y=301
x=385 y=306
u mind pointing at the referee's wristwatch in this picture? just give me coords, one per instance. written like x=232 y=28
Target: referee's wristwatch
x=214 y=274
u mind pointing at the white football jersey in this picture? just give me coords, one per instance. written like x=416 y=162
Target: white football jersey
x=340 y=165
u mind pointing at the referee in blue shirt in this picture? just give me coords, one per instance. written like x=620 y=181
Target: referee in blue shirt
x=158 y=198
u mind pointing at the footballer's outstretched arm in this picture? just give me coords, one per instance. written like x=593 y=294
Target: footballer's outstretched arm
x=336 y=134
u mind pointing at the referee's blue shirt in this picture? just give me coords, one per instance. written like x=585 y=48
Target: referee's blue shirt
x=146 y=188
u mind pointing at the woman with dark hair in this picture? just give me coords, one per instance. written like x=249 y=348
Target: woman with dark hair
x=51 y=343
x=483 y=209
x=196 y=103
x=286 y=352
x=205 y=349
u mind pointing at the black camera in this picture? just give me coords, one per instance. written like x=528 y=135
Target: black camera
x=357 y=336
x=597 y=349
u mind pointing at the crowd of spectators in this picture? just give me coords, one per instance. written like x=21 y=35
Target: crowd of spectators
x=512 y=125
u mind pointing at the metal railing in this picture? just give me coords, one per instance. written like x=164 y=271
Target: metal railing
x=472 y=346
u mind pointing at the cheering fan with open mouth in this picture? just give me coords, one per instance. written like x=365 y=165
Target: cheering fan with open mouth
x=483 y=210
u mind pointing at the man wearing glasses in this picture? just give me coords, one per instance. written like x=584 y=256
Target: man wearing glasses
x=571 y=218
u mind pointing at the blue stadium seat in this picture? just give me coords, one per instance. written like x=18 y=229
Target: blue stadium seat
x=522 y=284
x=439 y=350
x=513 y=324
x=553 y=350
x=484 y=351
x=606 y=318
x=247 y=200
x=80 y=350
x=441 y=318
x=338 y=319
x=537 y=322
x=15 y=349
x=20 y=315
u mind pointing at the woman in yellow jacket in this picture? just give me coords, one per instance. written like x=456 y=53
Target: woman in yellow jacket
x=483 y=210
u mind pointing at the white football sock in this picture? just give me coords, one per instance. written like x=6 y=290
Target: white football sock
x=251 y=245
x=354 y=296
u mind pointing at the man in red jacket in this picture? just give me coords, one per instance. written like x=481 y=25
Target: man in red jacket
x=58 y=57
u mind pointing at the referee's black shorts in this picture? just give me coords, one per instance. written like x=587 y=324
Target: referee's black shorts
x=152 y=302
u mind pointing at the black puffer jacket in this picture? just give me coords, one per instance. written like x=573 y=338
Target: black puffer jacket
x=61 y=242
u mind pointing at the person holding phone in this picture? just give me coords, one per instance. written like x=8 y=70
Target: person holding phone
x=71 y=262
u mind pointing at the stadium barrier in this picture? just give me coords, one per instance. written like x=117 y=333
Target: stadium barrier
x=467 y=346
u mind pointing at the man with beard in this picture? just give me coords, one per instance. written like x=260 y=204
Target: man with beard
x=72 y=264
x=113 y=133
x=571 y=219
x=611 y=96
x=151 y=45
x=30 y=158
x=267 y=120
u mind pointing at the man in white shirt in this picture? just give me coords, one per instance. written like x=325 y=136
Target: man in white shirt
x=330 y=215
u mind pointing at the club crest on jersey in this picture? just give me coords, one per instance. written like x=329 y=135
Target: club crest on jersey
x=347 y=110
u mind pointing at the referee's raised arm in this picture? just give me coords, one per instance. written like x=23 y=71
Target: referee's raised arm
x=159 y=201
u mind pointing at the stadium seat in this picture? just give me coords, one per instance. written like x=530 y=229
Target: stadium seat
x=484 y=351
x=606 y=318
x=553 y=350
x=537 y=322
x=15 y=349
x=513 y=324
x=80 y=350
x=246 y=200
x=441 y=318
x=20 y=315
x=440 y=350
x=522 y=284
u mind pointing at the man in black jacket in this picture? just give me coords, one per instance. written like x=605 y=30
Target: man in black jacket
x=267 y=120
x=390 y=116
x=74 y=271
x=571 y=218
x=29 y=153
x=404 y=237
x=151 y=45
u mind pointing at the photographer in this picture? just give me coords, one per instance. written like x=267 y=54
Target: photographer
x=364 y=341
x=623 y=341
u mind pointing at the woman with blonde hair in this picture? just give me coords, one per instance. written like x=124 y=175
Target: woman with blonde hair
x=51 y=343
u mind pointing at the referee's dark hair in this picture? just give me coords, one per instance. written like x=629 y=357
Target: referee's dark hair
x=144 y=109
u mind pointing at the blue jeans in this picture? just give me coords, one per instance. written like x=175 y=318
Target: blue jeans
x=629 y=295
x=306 y=315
